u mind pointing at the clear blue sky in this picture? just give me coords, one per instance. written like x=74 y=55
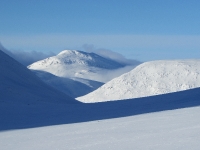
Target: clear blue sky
x=138 y=29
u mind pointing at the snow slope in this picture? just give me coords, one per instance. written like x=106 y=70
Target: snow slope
x=18 y=84
x=150 y=78
x=167 y=130
x=21 y=115
x=149 y=125
x=78 y=64
x=74 y=87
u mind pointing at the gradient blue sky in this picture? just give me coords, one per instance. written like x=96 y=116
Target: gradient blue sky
x=138 y=29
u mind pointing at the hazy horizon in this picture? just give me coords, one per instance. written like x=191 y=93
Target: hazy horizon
x=140 y=30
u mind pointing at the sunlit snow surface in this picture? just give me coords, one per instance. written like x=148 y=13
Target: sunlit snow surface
x=167 y=130
x=147 y=79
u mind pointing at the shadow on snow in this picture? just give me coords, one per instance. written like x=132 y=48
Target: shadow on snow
x=21 y=116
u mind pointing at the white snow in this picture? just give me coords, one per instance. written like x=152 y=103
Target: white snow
x=147 y=79
x=167 y=130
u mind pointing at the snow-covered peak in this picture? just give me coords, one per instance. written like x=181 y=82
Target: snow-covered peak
x=89 y=59
x=72 y=52
x=75 y=57
x=150 y=78
x=74 y=63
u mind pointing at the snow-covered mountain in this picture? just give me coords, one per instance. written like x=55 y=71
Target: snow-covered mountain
x=78 y=64
x=150 y=78
x=18 y=84
x=78 y=73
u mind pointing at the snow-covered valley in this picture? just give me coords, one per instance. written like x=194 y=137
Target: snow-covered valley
x=74 y=87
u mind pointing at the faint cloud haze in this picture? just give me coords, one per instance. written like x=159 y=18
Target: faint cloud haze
x=146 y=47
x=110 y=54
x=108 y=75
x=25 y=57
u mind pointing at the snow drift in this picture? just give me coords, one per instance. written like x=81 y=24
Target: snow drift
x=147 y=79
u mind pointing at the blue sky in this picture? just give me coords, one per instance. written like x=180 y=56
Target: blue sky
x=138 y=29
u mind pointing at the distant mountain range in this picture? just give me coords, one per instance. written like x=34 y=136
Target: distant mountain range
x=147 y=79
x=82 y=76
x=76 y=72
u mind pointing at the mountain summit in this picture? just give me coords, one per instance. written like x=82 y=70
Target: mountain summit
x=147 y=79
x=76 y=57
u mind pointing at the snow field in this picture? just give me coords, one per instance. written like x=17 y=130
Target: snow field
x=173 y=129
